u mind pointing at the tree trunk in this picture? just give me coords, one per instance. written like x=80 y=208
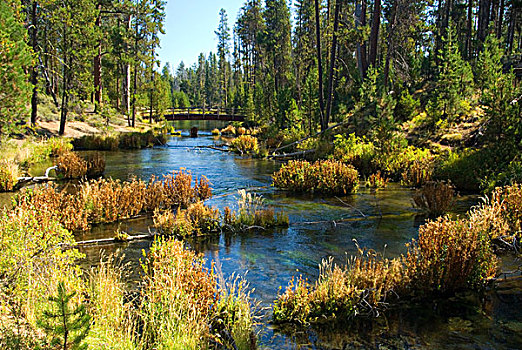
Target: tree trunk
x=332 y=63
x=97 y=66
x=469 y=32
x=319 y=63
x=34 y=69
x=151 y=89
x=374 y=35
x=500 y=19
x=135 y=84
x=483 y=20
x=127 y=73
x=511 y=30
x=65 y=83
x=360 y=20
x=391 y=43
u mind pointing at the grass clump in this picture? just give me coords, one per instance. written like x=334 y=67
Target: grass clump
x=124 y=140
x=377 y=181
x=183 y=306
x=229 y=130
x=326 y=177
x=245 y=144
x=449 y=256
x=72 y=166
x=197 y=219
x=435 y=197
x=216 y=132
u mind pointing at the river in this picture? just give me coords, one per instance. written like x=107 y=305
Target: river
x=319 y=228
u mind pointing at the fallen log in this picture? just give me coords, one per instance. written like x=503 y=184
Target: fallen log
x=291 y=155
x=113 y=240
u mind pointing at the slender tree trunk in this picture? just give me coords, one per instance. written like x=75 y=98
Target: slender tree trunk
x=332 y=63
x=65 y=92
x=391 y=43
x=511 y=30
x=360 y=19
x=319 y=63
x=34 y=69
x=469 y=31
x=135 y=84
x=483 y=20
x=500 y=19
x=127 y=73
x=151 y=106
x=374 y=35
x=97 y=65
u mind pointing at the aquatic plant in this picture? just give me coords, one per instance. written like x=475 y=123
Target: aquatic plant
x=356 y=151
x=124 y=140
x=245 y=144
x=449 y=256
x=9 y=173
x=216 y=132
x=435 y=197
x=377 y=181
x=108 y=200
x=71 y=165
x=199 y=219
x=327 y=177
x=58 y=145
x=230 y=130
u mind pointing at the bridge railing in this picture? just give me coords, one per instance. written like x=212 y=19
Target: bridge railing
x=208 y=110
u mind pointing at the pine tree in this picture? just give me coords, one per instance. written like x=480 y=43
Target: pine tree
x=223 y=51
x=68 y=326
x=15 y=58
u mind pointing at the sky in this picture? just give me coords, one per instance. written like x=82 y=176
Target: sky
x=190 y=26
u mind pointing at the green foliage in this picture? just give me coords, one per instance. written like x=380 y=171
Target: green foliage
x=245 y=144
x=15 y=59
x=356 y=151
x=406 y=107
x=454 y=82
x=327 y=177
x=9 y=173
x=66 y=324
x=180 y=99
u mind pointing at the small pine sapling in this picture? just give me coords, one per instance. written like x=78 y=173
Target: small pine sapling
x=67 y=325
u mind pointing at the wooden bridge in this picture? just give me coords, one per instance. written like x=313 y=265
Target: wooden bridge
x=200 y=113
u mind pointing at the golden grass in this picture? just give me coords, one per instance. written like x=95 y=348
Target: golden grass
x=435 y=197
x=245 y=144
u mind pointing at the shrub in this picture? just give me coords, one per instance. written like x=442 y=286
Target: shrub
x=58 y=145
x=449 y=256
x=196 y=220
x=245 y=144
x=33 y=262
x=9 y=173
x=328 y=177
x=355 y=151
x=216 y=132
x=230 y=130
x=435 y=197
x=95 y=165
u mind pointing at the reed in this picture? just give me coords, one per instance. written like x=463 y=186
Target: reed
x=124 y=140
x=377 y=181
x=326 y=177
x=230 y=130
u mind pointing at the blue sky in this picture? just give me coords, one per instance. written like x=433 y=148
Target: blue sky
x=190 y=26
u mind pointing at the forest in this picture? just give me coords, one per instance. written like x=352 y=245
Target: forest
x=371 y=197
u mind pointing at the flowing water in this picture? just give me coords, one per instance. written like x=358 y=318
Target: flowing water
x=320 y=228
